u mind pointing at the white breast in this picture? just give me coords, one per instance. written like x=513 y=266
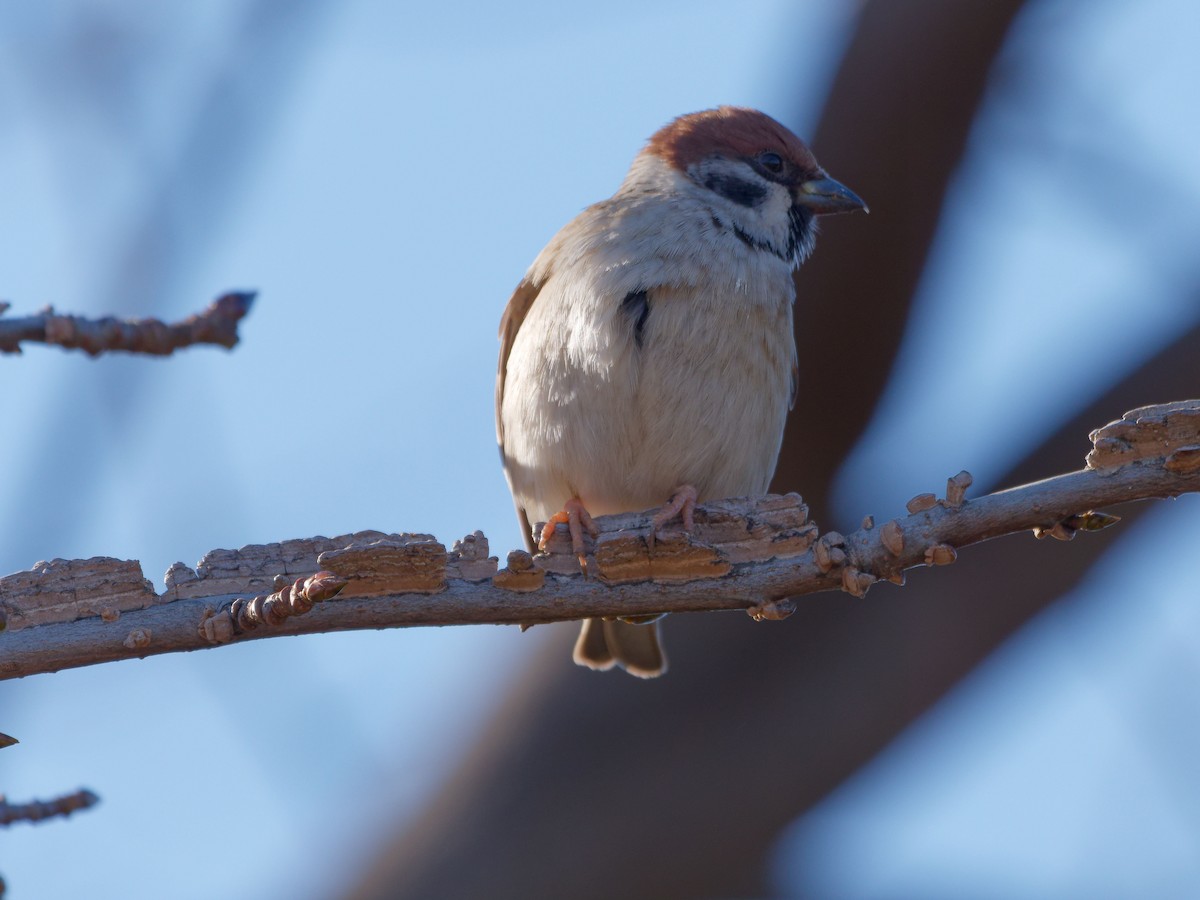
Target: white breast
x=588 y=412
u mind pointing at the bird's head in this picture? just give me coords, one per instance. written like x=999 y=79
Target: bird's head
x=760 y=176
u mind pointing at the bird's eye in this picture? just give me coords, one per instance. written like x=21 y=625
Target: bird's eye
x=772 y=162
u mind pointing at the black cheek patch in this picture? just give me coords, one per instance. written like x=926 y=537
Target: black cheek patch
x=740 y=191
x=800 y=232
x=636 y=307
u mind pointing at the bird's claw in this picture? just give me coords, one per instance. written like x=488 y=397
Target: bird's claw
x=577 y=519
x=681 y=504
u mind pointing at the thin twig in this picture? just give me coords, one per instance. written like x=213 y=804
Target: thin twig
x=217 y=324
x=37 y=810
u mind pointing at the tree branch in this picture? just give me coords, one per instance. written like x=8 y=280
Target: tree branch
x=755 y=555
x=215 y=325
x=37 y=810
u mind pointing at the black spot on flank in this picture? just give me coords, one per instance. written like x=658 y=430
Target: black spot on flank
x=740 y=191
x=636 y=306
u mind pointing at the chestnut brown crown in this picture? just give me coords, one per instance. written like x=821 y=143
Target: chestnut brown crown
x=734 y=132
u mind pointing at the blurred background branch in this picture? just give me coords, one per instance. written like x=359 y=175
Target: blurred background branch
x=38 y=810
x=618 y=787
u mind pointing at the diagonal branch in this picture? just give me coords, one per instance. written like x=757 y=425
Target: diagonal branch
x=755 y=555
x=215 y=325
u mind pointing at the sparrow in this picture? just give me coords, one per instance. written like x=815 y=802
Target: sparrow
x=647 y=357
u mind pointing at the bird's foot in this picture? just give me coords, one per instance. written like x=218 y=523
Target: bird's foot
x=681 y=504
x=577 y=519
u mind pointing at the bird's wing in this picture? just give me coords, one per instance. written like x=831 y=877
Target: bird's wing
x=510 y=323
x=518 y=308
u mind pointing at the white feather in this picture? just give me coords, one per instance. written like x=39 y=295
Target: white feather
x=588 y=412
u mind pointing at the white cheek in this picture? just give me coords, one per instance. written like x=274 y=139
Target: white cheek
x=770 y=217
x=778 y=204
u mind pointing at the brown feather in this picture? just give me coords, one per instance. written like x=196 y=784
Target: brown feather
x=526 y=529
x=510 y=323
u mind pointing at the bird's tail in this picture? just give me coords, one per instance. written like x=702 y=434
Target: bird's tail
x=604 y=643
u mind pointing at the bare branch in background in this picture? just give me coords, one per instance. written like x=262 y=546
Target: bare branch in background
x=217 y=324
x=754 y=555
x=37 y=810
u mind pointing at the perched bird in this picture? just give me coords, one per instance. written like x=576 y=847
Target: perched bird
x=648 y=354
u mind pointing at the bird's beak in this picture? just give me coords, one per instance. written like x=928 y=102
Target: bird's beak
x=824 y=195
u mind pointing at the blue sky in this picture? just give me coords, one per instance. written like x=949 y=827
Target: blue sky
x=383 y=176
